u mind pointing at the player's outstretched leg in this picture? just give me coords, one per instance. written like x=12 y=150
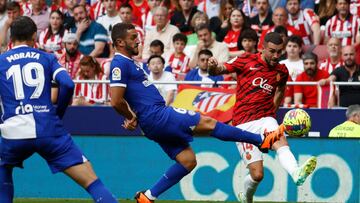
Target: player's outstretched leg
x=84 y=175
x=186 y=162
x=229 y=133
x=6 y=185
x=300 y=174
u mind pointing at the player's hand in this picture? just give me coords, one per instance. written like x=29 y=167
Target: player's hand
x=83 y=25
x=212 y=62
x=130 y=124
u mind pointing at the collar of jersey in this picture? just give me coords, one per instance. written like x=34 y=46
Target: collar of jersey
x=18 y=46
x=117 y=53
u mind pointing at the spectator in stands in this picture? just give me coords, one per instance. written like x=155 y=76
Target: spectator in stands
x=182 y=17
x=156 y=66
x=163 y=31
x=90 y=93
x=206 y=41
x=263 y=20
x=279 y=18
x=39 y=15
x=306 y=21
x=308 y=95
x=3 y=13
x=147 y=18
x=293 y=62
x=237 y=22
x=140 y=8
x=248 y=41
x=210 y=7
x=334 y=59
x=70 y=58
x=111 y=17
x=198 y=18
x=156 y=48
x=126 y=15
x=92 y=36
x=69 y=20
x=200 y=72
x=221 y=21
x=351 y=127
x=179 y=61
x=344 y=25
x=13 y=11
x=349 y=72
x=304 y=4
x=325 y=9
x=50 y=40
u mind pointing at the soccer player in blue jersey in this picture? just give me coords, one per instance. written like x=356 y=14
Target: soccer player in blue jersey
x=31 y=123
x=133 y=96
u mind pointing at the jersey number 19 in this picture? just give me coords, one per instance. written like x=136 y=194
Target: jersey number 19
x=25 y=76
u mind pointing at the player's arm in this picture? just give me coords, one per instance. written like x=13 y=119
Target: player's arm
x=279 y=95
x=327 y=81
x=316 y=33
x=99 y=49
x=214 y=68
x=66 y=90
x=122 y=107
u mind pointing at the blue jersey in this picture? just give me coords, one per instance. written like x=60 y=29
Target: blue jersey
x=25 y=91
x=141 y=94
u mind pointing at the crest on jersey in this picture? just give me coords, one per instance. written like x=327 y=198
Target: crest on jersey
x=116 y=74
x=278 y=77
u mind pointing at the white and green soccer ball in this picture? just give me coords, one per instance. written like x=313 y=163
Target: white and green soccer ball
x=297 y=122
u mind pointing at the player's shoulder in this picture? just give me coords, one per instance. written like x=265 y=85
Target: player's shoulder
x=282 y=68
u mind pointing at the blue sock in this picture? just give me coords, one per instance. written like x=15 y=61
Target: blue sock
x=100 y=193
x=229 y=133
x=6 y=185
x=172 y=176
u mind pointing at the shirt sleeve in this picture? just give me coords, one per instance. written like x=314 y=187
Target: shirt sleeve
x=101 y=34
x=56 y=67
x=119 y=74
x=235 y=64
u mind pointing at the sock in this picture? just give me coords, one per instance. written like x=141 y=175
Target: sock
x=287 y=159
x=229 y=133
x=100 y=193
x=6 y=185
x=172 y=176
x=250 y=186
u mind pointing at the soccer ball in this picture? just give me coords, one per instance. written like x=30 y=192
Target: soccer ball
x=297 y=122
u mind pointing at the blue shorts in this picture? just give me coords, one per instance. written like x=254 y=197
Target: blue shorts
x=59 y=152
x=174 y=129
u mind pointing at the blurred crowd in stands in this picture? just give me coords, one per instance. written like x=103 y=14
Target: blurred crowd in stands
x=177 y=37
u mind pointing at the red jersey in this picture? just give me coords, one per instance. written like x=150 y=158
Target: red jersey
x=310 y=93
x=328 y=66
x=93 y=93
x=291 y=31
x=231 y=39
x=256 y=86
x=303 y=23
x=345 y=30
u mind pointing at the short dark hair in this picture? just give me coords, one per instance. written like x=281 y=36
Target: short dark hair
x=205 y=52
x=289 y=0
x=22 y=29
x=274 y=38
x=157 y=43
x=119 y=31
x=13 y=5
x=310 y=55
x=281 y=30
x=179 y=37
x=79 y=5
x=202 y=26
x=126 y=5
x=247 y=34
x=156 y=56
x=296 y=39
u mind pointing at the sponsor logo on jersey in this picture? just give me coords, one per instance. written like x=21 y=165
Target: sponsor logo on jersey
x=23 y=109
x=116 y=74
x=262 y=83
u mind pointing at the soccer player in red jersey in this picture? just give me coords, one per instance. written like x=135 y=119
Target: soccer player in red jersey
x=261 y=83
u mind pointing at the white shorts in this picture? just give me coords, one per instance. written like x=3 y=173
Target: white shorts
x=249 y=152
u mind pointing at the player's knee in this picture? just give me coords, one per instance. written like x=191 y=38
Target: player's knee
x=189 y=164
x=206 y=124
x=257 y=176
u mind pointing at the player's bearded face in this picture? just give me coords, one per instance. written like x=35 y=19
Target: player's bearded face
x=272 y=53
x=132 y=43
